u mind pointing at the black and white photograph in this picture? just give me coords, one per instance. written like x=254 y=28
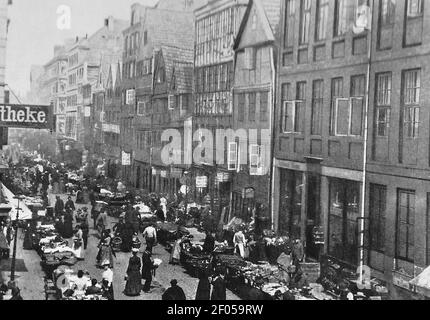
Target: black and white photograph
x=230 y=152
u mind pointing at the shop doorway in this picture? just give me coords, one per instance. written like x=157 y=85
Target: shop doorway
x=313 y=215
x=343 y=220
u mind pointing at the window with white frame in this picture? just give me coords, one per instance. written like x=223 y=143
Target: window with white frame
x=256 y=160
x=130 y=96
x=383 y=104
x=233 y=156
x=171 y=102
x=349 y=116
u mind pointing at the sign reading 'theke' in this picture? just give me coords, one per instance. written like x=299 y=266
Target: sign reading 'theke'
x=26 y=116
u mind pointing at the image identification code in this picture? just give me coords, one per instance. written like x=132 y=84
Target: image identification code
x=217 y=310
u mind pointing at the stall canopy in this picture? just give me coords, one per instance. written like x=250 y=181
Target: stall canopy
x=422 y=283
x=24 y=214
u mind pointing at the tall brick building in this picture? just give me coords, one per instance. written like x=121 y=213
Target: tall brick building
x=319 y=144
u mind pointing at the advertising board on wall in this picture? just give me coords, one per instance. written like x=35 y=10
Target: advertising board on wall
x=26 y=116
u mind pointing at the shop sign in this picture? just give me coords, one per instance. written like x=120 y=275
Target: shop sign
x=126 y=159
x=223 y=177
x=318 y=235
x=202 y=182
x=176 y=173
x=402 y=281
x=248 y=193
x=313 y=271
x=26 y=116
x=163 y=174
x=154 y=172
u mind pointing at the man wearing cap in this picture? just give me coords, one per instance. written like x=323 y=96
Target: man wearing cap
x=174 y=292
x=147 y=267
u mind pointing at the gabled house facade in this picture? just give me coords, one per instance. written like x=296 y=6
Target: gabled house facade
x=256 y=51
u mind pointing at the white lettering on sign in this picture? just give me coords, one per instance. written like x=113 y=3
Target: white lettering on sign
x=24 y=116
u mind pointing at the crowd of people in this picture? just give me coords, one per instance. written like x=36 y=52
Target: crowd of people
x=72 y=221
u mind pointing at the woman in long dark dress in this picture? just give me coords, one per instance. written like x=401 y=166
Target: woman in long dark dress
x=204 y=288
x=134 y=277
x=219 y=287
x=68 y=225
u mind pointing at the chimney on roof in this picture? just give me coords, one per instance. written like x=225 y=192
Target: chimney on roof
x=109 y=23
x=77 y=39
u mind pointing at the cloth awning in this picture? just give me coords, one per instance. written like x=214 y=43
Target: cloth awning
x=422 y=282
x=24 y=214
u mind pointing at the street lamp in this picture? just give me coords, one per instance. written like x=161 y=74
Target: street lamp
x=15 y=240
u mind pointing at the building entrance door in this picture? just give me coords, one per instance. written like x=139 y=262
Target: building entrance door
x=313 y=215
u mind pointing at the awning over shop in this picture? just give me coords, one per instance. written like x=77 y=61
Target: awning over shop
x=24 y=214
x=422 y=283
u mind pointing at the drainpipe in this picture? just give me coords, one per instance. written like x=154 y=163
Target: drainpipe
x=273 y=133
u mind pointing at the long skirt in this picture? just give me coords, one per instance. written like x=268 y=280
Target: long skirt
x=176 y=253
x=105 y=256
x=68 y=230
x=133 y=287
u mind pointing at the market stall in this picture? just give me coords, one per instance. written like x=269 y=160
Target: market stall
x=24 y=214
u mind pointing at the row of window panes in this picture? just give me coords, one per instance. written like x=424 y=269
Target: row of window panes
x=131 y=43
x=405 y=221
x=251 y=107
x=219 y=103
x=214 y=78
x=346 y=12
x=347 y=114
x=145 y=139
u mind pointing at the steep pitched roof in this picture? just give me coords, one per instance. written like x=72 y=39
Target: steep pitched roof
x=272 y=9
x=179 y=60
x=172 y=28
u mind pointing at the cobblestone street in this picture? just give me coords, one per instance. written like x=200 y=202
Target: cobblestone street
x=31 y=282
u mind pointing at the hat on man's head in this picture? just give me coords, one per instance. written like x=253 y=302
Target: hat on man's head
x=174 y=282
x=135 y=250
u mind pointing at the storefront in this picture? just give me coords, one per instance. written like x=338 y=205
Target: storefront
x=344 y=212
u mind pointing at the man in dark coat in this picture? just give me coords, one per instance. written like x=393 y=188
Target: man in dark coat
x=147 y=267
x=175 y=292
x=59 y=207
x=70 y=205
x=219 y=288
x=209 y=244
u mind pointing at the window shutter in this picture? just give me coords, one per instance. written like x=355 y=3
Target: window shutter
x=232 y=156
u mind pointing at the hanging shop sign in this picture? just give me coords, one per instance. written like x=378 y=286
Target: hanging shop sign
x=318 y=235
x=248 y=193
x=202 y=182
x=176 y=173
x=163 y=174
x=126 y=159
x=26 y=116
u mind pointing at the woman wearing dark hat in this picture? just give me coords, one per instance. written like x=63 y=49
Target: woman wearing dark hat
x=175 y=292
x=134 y=277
